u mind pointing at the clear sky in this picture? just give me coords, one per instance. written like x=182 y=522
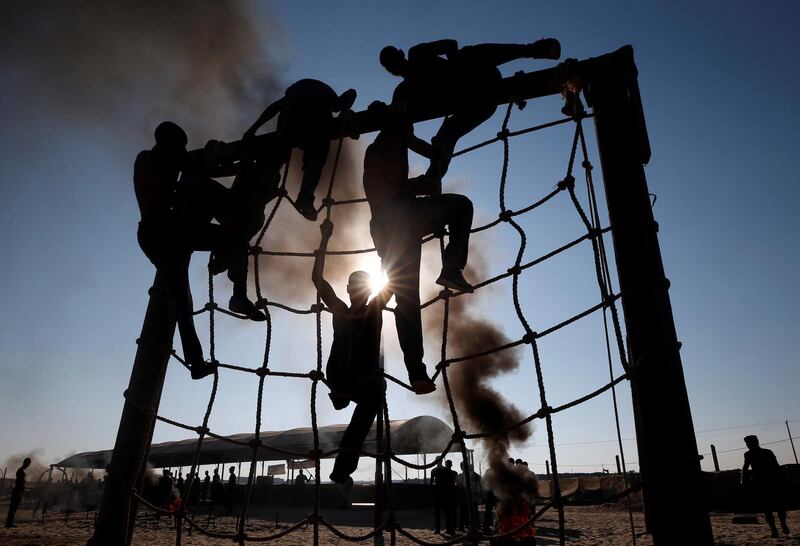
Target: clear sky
x=717 y=81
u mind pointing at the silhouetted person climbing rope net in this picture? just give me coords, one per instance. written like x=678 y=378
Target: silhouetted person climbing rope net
x=438 y=75
x=305 y=121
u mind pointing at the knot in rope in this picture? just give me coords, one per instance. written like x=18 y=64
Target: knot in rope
x=210 y=306
x=515 y=270
x=262 y=371
x=316 y=375
x=503 y=134
x=261 y=303
x=328 y=202
x=201 y=430
x=506 y=215
x=317 y=307
x=586 y=164
x=529 y=337
x=254 y=250
x=595 y=233
x=445 y=293
x=567 y=184
x=442 y=365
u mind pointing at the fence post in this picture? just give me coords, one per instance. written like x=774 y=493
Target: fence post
x=714 y=456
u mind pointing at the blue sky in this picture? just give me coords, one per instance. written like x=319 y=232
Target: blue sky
x=717 y=80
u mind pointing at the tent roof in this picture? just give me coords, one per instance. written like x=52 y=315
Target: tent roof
x=424 y=434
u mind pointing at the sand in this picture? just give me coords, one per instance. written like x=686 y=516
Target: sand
x=597 y=525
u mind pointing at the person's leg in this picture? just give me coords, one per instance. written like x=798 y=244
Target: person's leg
x=314 y=158
x=770 y=519
x=12 y=509
x=454 y=127
x=455 y=212
x=437 y=511
x=176 y=274
x=353 y=439
x=497 y=54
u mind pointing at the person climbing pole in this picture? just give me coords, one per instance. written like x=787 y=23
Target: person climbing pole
x=305 y=121
x=403 y=212
x=442 y=76
x=353 y=369
x=172 y=228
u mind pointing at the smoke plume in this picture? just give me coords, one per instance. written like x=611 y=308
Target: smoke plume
x=124 y=66
x=480 y=407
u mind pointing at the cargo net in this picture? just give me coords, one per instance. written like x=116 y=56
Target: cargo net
x=594 y=235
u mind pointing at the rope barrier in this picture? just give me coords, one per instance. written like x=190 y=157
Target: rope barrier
x=594 y=234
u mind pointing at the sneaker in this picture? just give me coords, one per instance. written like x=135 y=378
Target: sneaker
x=201 y=369
x=305 y=206
x=546 y=48
x=245 y=307
x=453 y=278
x=420 y=381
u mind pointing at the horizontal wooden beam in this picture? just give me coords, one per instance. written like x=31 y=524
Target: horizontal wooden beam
x=219 y=158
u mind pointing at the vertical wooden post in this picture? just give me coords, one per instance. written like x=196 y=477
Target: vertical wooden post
x=117 y=514
x=547 y=467
x=665 y=432
x=619 y=466
x=714 y=456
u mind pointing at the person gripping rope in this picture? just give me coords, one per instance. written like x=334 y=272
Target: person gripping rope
x=353 y=369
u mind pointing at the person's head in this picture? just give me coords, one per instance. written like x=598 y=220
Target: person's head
x=171 y=140
x=462 y=465
x=206 y=472
x=216 y=471
x=231 y=469
x=26 y=463
x=449 y=464
x=525 y=464
x=439 y=462
x=751 y=441
x=359 y=286
x=394 y=60
x=519 y=461
x=511 y=461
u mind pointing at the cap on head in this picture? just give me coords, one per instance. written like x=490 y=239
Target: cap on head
x=170 y=134
x=392 y=59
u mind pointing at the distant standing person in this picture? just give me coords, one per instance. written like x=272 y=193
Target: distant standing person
x=762 y=473
x=231 y=487
x=206 y=486
x=442 y=480
x=301 y=479
x=16 y=493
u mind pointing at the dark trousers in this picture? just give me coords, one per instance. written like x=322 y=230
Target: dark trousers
x=16 y=499
x=169 y=246
x=353 y=439
x=397 y=239
x=442 y=502
x=475 y=83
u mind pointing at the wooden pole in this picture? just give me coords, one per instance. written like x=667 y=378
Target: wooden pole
x=547 y=467
x=791 y=441
x=714 y=457
x=116 y=517
x=666 y=441
x=619 y=466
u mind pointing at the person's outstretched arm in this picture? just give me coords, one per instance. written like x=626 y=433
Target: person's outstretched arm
x=439 y=47
x=270 y=112
x=324 y=289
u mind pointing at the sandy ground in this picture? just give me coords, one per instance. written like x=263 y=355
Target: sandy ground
x=604 y=525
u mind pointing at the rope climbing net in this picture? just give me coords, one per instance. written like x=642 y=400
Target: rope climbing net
x=594 y=233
